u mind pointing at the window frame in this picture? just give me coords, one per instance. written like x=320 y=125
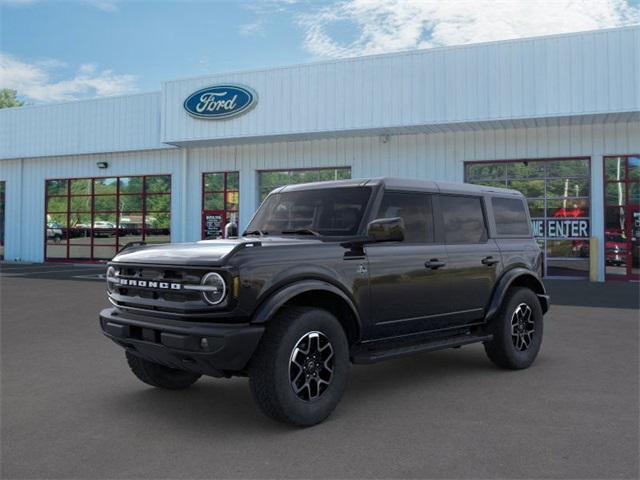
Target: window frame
x=92 y=245
x=226 y=211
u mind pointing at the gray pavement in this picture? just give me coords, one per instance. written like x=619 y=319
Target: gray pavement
x=71 y=409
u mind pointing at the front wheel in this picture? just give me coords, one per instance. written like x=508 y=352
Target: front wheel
x=517 y=330
x=299 y=370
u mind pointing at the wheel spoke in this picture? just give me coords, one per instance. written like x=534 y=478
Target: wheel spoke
x=311 y=366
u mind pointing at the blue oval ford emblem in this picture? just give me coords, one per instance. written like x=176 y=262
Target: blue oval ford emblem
x=220 y=101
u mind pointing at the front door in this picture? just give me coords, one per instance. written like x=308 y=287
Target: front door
x=622 y=218
x=408 y=280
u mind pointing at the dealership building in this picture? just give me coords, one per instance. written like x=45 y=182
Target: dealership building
x=555 y=117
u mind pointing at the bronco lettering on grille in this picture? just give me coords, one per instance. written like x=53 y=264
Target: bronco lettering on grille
x=130 y=282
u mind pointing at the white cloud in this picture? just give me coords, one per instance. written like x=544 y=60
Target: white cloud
x=390 y=25
x=34 y=80
x=252 y=29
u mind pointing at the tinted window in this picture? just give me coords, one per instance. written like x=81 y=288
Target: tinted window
x=510 y=216
x=414 y=209
x=463 y=219
x=330 y=212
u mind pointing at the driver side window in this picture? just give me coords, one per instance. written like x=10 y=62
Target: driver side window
x=415 y=210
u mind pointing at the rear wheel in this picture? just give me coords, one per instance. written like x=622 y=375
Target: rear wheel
x=160 y=376
x=517 y=330
x=299 y=370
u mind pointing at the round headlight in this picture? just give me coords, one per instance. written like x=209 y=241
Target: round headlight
x=111 y=275
x=215 y=289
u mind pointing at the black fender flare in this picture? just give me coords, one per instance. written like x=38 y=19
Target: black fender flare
x=277 y=299
x=506 y=280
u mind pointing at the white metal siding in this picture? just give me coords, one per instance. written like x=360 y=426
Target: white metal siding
x=558 y=76
x=112 y=124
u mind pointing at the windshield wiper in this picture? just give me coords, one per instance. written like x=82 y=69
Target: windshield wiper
x=302 y=231
x=255 y=232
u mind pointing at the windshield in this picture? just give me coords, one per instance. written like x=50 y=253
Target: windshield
x=329 y=212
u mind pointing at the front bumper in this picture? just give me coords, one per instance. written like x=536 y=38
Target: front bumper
x=179 y=344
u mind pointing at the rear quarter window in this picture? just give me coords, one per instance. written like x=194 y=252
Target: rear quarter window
x=510 y=216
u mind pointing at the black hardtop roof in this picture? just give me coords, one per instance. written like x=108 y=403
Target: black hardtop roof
x=399 y=183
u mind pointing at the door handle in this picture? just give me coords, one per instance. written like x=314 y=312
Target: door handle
x=489 y=261
x=434 y=264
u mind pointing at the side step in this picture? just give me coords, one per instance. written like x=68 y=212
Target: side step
x=379 y=353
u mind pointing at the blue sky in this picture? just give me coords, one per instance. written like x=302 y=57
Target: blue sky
x=54 y=51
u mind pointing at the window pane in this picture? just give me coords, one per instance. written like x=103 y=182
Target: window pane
x=105 y=185
x=104 y=252
x=634 y=168
x=56 y=187
x=158 y=203
x=131 y=185
x=486 y=171
x=159 y=184
x=567 y=268
x=128 y=236
x=463 y=219
x=56 y=232
x=157 y=236
x=492 y=183
x=56 y=251
x=304 y=176
x=104 y=203
x=344 y=173
x=57 y=220
x=614 y=219
x=510 y=216
x=130 y=203
x=57 y=204
x=81 y=186
x=131 y=221
x=568 y=248
x=568 y=168
x=536 y=208
x=615 y=193
x=577 y=207
x=80 y=220
x=80 y=252
x=634 y=193
x=272 y=180
x=158 y=221
x=103 y=236
x=415 y=210
x=614 y=168
x=213 y=182
x=214 y=201
x=233 y=181
x=81 y=204
x=568 y=188
x=232 y=200
x=529 y=188
x=104 y=221
x=526 y=170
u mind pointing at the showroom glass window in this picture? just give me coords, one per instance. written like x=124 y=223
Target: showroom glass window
x=220 y=202
x=92 y=218
x=558 y=194
x=271 y=179
x=622 y=217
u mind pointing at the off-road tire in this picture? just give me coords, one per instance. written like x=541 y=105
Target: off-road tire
x=501 y=349
x=269 y=368
x=160 y=376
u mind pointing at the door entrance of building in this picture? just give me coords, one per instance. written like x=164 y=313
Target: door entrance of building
x=622 y=217
x=220 y=194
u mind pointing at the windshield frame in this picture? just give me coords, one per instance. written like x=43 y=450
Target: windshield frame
x=252 y=229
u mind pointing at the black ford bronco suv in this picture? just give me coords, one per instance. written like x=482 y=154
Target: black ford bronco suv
x=327 y=274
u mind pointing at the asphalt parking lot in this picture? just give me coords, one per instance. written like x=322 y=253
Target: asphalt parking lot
x=71 y=408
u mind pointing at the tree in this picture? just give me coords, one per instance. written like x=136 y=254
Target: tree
x=8 y=98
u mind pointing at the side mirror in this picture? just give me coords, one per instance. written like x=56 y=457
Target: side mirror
x=386 y=230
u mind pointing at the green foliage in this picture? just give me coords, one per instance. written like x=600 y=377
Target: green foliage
x=8 y=98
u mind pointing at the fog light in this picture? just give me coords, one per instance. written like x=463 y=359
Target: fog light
x=204 y=343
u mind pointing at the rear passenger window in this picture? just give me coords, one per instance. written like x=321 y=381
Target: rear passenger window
x=463 y=219
x=414 y=209
x=510 y=216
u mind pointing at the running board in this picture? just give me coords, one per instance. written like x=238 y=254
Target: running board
x=365 y=356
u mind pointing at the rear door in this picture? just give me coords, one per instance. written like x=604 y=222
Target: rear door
x=408 y=279
x=473 y=258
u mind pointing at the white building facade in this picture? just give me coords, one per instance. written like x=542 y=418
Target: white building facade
x=556 y=117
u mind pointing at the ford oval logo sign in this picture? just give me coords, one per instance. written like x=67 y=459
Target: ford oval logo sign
x=220 y=101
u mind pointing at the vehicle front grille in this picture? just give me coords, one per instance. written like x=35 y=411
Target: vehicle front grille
x=156 y=293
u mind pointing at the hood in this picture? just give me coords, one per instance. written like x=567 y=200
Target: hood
x=205 y=252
